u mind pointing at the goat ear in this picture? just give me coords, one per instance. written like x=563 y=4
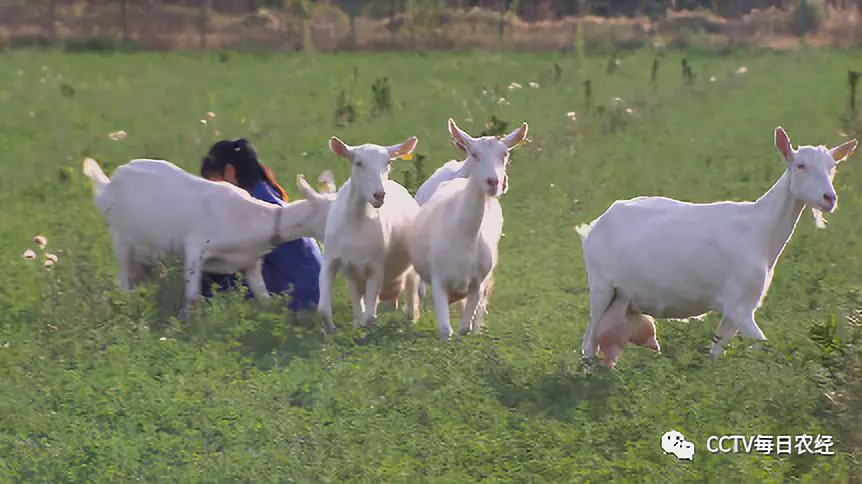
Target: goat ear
x=782 y=144
x=459 y=145
x=516 y=137
x=326 y=182
x=843 y=151
x=462 y=140
x=403 y=149
x=340 y=148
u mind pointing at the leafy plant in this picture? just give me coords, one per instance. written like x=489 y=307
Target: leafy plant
x=381 y=101
x=346 y=106
x=832 y=349
x=495 y=127
x=345 y=111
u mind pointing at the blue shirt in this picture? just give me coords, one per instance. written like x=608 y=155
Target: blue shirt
x=296 y=263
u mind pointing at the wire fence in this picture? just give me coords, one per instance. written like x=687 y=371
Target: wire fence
x=343 y=25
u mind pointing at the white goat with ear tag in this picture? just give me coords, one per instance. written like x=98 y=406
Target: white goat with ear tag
x=671 y=259
x=366 y=234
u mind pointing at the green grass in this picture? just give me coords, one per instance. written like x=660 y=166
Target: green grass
x=97 y=385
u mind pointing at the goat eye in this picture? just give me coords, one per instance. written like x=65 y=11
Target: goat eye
x=801 y=166
x=359 y=163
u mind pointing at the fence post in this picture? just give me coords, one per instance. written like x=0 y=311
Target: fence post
x=124 y=18
x=852 y=81
x=203 y=22
x=52 y=17
x=502 y=22
x=354 y=4
x=392 y=7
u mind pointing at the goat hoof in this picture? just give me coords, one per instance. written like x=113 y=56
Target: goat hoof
x=587 y=366
x=445 y=334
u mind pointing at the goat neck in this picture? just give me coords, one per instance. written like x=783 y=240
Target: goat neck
x=777 y=213
x=358 y=208
x=295 y=220
x=471 y=210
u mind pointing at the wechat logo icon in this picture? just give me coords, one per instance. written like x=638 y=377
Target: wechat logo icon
x=673 y=442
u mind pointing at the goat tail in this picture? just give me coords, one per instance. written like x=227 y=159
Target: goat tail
x=583 y=230
x=94 y=172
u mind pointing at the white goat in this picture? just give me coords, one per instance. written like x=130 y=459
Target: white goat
x=365 y=238
x=449 y=171
x=456 y=234
x=671 y=259
x=326 y=197
x=154 y=208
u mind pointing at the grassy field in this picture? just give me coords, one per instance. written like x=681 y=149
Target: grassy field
x=97 y=385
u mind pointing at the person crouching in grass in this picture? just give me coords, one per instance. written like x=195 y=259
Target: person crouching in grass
x=296 y=263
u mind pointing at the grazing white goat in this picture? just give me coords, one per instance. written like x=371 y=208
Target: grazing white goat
x=456 y=234
x=671 y=259
x=154 y=208
x=366 y=239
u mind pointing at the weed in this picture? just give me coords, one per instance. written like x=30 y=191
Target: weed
x=381 y=100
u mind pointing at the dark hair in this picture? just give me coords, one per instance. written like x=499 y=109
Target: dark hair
x=242 y=156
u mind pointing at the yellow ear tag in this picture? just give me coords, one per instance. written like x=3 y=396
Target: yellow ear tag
x=408 y=157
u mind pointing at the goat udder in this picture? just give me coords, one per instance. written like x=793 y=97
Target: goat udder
x=456 y=296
